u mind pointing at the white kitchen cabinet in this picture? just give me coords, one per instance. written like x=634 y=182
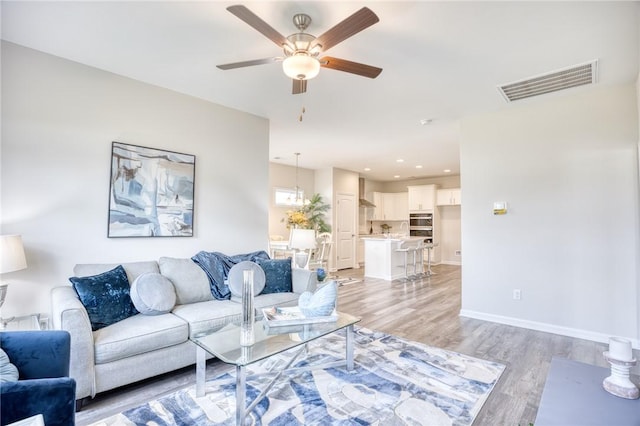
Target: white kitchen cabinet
x=421 y=198
x=390 y=206
x=448 y=197
x=378 y=211
x=400 y=203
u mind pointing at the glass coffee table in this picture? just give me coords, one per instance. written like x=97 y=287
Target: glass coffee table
x=224 y=344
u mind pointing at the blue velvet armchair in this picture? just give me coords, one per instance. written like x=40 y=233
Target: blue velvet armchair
x=44 y=386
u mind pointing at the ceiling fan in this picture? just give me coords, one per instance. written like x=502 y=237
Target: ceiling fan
x=301 y=60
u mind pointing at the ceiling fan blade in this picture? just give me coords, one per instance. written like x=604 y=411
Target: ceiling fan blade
x=257 y=23
x=355 y=23
x=299 y=86
x=249 y=63
x=348 y=66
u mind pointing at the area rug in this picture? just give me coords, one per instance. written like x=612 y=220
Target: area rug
x=347 y=281
x=394 y=382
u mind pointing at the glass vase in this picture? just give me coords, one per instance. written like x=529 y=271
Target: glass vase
x=248 y=312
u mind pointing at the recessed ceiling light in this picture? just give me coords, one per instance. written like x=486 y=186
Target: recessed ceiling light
x=447 y=170
x=418 y=166
x=426 y=121
x=396 y=176
x=399 y=160
x=367 y=169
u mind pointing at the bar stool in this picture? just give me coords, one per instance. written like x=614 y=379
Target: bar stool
x=418 y=259
x=406 y=250
x=429 y=247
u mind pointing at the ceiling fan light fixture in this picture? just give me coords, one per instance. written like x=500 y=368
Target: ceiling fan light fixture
x=301 y=67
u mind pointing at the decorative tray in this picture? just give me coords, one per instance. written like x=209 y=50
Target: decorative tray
x=276 y=316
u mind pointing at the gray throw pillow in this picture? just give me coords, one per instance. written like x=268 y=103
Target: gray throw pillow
x=190 y=281
x=8 y=371
x=236 y=278
x=153 y=294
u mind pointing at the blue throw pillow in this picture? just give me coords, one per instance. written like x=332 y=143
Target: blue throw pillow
x=105 y=296
x=277 y=275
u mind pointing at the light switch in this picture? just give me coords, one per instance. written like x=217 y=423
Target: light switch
x=499 y=207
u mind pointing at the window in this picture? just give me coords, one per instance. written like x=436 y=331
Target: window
x=287 y=196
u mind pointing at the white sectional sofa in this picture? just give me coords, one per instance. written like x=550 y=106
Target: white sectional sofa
x=143 y=346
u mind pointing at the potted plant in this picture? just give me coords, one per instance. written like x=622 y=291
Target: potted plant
x=311 y=215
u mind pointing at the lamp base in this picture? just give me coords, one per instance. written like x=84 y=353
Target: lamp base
x=301 y=259
x=624 y=390
x=618 y=383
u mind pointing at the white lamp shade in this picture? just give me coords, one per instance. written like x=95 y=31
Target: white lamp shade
x=303 y=239
x=11 y=254
x=301 y=67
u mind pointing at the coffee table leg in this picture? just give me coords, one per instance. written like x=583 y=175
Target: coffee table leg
x=241 y=391
x=201 y=369
x=349 y=347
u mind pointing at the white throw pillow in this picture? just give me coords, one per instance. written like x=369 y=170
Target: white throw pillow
x=153 y=294
x=8 y=371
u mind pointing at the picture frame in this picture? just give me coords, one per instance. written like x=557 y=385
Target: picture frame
x=151 y=192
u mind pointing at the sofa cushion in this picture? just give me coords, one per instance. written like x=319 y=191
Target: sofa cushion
x=153 y=294
x=189 y=280
x=138 y=334
x=270 y=300
x=105 y=297
x=278 y=275
x=236 y=278
x=133 y=269
x=8 y=371
x=207 y=317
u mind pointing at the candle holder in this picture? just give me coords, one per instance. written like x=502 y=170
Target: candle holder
x=620 y=357
x=247 y=337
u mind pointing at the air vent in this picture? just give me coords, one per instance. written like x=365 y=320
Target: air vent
x=577 y=75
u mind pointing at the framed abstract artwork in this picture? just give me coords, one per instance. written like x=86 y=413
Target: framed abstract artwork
x=151 y=192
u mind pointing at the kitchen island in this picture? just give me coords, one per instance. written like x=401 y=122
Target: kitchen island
x=381 y=260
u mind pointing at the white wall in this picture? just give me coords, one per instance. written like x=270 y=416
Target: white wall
x=442 y=182
x=282 y=176
x=58 y=121
x=450 y=234
x=567 y=166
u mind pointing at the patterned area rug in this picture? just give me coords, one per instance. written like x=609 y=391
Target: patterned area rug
x=395 y=382
x=347 y=281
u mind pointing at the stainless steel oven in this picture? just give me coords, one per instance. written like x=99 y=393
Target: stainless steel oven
x=420 y=220
x=421 y=225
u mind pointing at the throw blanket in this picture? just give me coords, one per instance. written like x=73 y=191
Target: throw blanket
x=217 y=265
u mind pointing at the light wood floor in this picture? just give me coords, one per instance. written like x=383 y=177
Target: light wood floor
x=425 y=311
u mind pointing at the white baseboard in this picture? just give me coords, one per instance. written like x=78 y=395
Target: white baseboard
x=451 y=262
x=548 y=328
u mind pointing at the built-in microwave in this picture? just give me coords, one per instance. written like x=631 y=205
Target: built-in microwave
x=420 y=220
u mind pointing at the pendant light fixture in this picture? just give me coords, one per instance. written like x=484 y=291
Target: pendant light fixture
x=298 y=200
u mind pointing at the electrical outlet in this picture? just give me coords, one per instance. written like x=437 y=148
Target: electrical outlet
x=517 y=294
x=458 y=252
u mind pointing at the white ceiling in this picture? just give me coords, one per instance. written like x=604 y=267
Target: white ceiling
x=441 y=61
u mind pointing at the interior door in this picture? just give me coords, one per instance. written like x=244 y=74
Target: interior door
x=346 y=231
